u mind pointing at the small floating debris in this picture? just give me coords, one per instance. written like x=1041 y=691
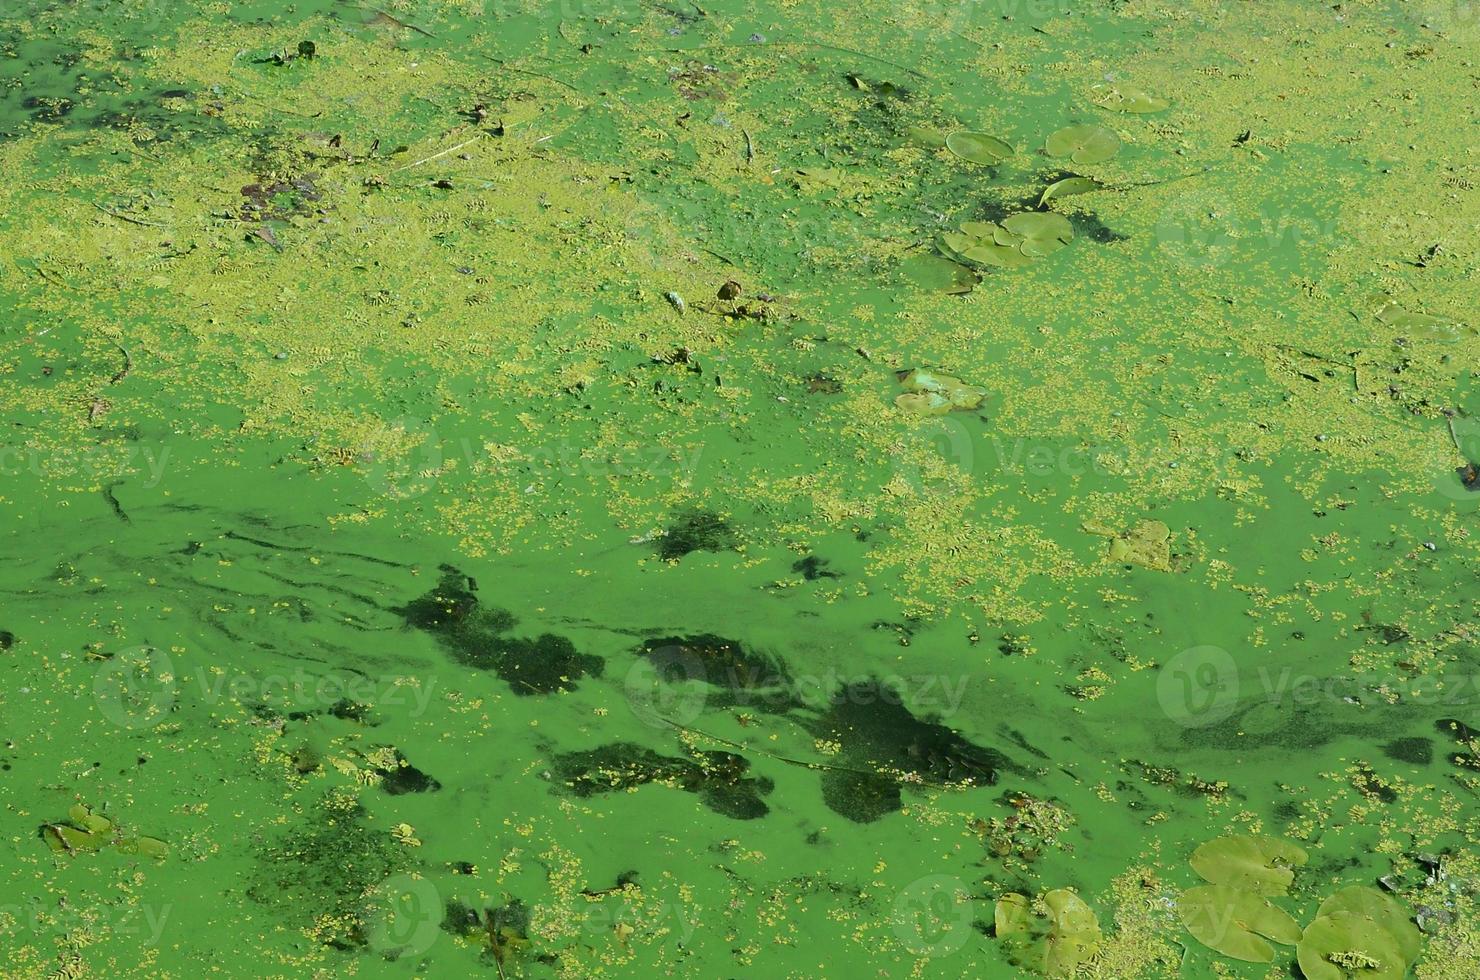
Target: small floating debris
x=676 y=301
x=1125 y=97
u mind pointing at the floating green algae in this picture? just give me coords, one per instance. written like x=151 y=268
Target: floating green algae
x=456 y=495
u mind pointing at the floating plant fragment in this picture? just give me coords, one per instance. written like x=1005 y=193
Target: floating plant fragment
x=936 y=274
x=978 y=147
x=1148 y=544
x=1236 y=923
x=1052 y=943
x=1261 y=865
x=1125 y=97
x=925 y=136
x=1068 y=186
x=928 y=393
x=1346 y=946
x=1089 y=143
x=87 y=830
x=1421 y=326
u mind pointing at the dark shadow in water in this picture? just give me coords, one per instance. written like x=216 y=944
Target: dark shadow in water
x=476 y=636
x=717 y=777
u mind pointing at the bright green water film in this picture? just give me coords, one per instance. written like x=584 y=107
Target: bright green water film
x=739 y=488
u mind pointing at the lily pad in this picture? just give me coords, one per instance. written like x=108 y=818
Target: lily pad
x=1012 y=914
x=1384 y=912
x=68 y=840
x=1126 y=97
x=1148 y=544
x=928 y=393
x=82 y=817
x=1068 y=186
x=990 y=253
x=1345 y=946
x=1236 y=923
x=1089 y=143
x=1261 y=865
x=925 y=136
x=1040 y=232
x=978 y=147
x=147 y=846
x=937 y=274
x=1053 y=943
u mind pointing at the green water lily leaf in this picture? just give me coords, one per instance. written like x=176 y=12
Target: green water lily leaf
x=978 y=229
x=1068 y=186
x=1089 y=143
x=1055 y=942
x=937 y=274
x=925 y=136
x=1236 y=923
x=1346 y=946
x=1384 y=912
x=978 y=147
x=147 y=846
x=1126 y=97
x=928 y=393
x=83 y=818
x=1012 y=914
x=990 y=253
x=68 y=840
x=1041 y=232
x=1261 y=865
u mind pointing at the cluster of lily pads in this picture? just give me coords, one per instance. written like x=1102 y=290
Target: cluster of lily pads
x=1020 y=238
x=86 y=830
x=1051 y=938
x=1357 y=932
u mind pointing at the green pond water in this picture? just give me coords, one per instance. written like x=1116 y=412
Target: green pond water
x=645 y=488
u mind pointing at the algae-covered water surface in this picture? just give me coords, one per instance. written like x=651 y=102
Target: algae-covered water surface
x=739 y=488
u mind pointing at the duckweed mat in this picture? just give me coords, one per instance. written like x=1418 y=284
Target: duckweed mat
x=739 y=488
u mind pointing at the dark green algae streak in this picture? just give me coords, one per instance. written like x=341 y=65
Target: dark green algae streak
x=456 y=504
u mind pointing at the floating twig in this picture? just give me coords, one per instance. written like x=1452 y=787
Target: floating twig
x=749 y=148
x=434 y=156
x=128 y=365
x=124 y=217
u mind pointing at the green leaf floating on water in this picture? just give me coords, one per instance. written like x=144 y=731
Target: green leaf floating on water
x=1053 y=943
x=68 y=840
x=1236 y=923
x=925 y=136
x=1125 y=97
x=147 y=846
x=1261 y=865
x=1068 y=186
x=928 y=393
x=1089 y=143
x=937 y=274
x=1039 y=232
x=1346 y=946
x=82 y=816
x=978 y=147
x=1015 y=242
x=1384 y=912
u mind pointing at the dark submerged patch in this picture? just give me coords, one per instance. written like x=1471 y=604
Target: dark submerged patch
x=719 y=778
x=475 y=635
